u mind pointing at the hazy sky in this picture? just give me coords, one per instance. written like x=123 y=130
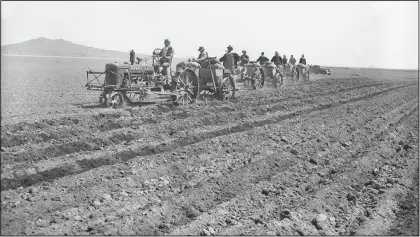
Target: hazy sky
x=354 y=34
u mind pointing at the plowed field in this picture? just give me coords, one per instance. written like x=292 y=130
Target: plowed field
x=335 y=156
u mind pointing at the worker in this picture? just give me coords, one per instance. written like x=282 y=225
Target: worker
x=302 y=60
x=262 y=59
x=243 y=61
x=284 y=59
x=292 y=60
x=244 y=58
x=166 y=54
x=202 y=56
x=229 y=63
x=276 y=59
x=132 y=56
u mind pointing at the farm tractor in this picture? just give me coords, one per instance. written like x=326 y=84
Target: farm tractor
x=124 y=83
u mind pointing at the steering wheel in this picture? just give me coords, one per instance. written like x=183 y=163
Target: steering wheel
x=156 y=57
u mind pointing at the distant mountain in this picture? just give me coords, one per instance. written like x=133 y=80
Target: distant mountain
x=59 y=47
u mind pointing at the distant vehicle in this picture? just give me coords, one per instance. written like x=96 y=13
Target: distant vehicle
x=316 y=69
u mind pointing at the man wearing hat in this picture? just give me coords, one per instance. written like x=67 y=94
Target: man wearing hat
x=244 y=58
x=229 y=62
x=132 y=56
x=262 y=59
x=284 y=60
x=292 y=60
x=243 y=61
x=302 y=60
x=276 y=59
x=202 y=56
x=166 y=54
x=228 y=59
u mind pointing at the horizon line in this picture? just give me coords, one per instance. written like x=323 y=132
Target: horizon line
x=76 y=57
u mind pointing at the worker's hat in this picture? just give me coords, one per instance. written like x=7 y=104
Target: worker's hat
x=276 y=52
x=167 y=40
x=244 y=51
x=230 y=47
x=200 y=48
x=303 y=55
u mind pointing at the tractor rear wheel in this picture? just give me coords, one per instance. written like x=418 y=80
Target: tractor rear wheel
x=189 y=88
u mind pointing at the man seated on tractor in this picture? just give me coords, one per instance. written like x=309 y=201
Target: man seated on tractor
x=262 y=59
x=284 y=59
x=202 y=56
x=244 y=60
x=276 y=59
x=302 y=60
x=292 y=60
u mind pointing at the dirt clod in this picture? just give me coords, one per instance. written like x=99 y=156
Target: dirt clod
x=320 y=222
x=96 y=202
x=313 y=161
x=350 y=197
x=41 y=223
x=211 y=231
x=285 y=214
x=294 y=152
x=205 y=232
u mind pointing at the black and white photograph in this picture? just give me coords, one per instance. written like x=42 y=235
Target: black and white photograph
x=209 y=118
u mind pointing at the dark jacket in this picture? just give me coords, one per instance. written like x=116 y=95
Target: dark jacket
x=284 y=60
x=292 y=61
x=244 y=59
x=302 y=60
x=277 y=60
x=235 y=56
x=262 y=59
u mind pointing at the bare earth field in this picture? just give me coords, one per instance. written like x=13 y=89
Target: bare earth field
x=335 y=156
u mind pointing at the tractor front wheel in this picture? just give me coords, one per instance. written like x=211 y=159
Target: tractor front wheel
x=116 y=101
x=227 y=88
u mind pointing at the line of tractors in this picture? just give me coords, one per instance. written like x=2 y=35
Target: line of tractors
x=125 y=83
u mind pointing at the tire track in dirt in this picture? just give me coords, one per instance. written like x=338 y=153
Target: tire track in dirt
x=85 y=165
x=181 y=213
x=339 y=178
x=107 y=122
x=242 y=196
x=91 y=143
x=271 y=99
x=271 y=212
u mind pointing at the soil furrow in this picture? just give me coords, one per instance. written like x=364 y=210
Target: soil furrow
x=107 y=122
x=316 y=182
x=89 y=164
x=92 y=143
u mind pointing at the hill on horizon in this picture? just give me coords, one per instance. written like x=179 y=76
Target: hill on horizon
x=62 y=48
x=59 y=47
